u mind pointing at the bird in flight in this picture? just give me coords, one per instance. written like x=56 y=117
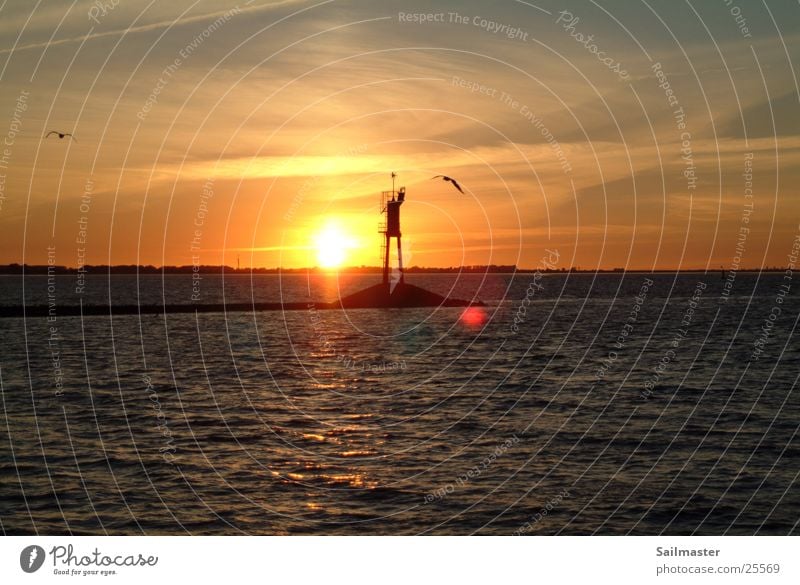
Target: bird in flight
x=451 y=180
x=60 y=134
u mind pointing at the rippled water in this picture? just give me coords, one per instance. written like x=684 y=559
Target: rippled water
x=414 y=421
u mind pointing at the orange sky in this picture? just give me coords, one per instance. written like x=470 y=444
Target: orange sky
x=205 y=133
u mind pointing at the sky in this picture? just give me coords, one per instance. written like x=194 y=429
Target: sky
x=639 y=134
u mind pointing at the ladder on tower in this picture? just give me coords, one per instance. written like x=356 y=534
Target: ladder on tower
x=385 y=196
x=382 y=231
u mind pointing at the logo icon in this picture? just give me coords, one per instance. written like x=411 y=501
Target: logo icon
x=31 y=558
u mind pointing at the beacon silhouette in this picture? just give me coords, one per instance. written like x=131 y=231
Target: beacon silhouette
x=390 y=205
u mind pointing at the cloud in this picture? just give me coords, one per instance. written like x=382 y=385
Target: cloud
x=154 y=26
x=775 y=116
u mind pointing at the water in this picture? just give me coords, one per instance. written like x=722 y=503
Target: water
x=422 y=421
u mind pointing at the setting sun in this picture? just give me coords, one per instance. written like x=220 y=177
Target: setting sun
x=333 y=245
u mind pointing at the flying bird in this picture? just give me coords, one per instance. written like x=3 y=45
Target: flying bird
x=60 y=134
x=451 y=180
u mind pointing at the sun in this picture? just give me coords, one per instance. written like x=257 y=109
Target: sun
x=333 y=246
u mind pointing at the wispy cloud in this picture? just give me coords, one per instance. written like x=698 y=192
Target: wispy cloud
x=164 y=24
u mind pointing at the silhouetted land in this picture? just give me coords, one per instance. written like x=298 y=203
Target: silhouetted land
x=216 y=269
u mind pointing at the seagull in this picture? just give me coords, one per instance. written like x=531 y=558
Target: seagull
x=450 y=179
x=60 y=134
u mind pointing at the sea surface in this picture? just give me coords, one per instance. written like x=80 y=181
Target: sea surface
x=568 y=404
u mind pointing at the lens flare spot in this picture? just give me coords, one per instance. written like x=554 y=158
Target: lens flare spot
x=474 y=317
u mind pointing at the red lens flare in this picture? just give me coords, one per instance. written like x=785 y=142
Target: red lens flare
x=474 y=317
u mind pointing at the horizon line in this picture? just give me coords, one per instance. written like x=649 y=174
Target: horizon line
x=17 y=268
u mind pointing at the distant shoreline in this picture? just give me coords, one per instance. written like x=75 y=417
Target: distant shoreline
x=103 y=269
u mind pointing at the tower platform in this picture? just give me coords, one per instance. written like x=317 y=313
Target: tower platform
x=403 y=295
